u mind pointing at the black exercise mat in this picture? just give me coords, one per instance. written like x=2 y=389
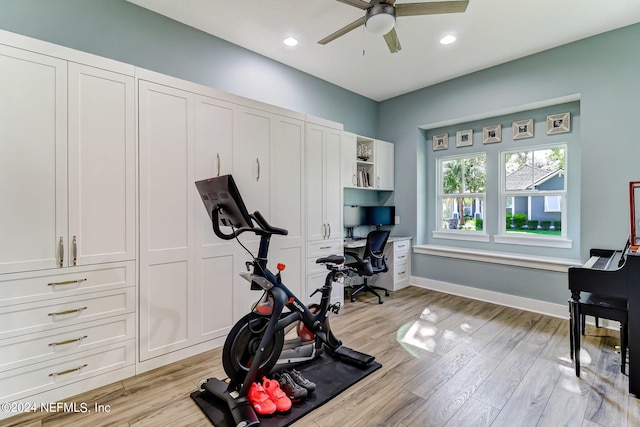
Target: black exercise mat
x=331 y=376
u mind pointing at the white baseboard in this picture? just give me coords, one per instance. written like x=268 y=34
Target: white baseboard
x=528 y=304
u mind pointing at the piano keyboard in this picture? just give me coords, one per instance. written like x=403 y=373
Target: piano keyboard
x=601 y=262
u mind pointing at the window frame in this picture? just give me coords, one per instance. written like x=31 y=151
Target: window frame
x=502 y=236
x=459 y=234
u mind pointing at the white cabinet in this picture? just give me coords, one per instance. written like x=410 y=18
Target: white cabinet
x=324 y=189
x=324 y=202
x=348 y=156
x=384 y=158
x=367 y=163
x=167 y=233
x=67 y=262
x=398 y=253
x=33 y=164
x=69 y=197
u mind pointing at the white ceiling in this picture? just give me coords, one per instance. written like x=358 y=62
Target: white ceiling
x=490 y=32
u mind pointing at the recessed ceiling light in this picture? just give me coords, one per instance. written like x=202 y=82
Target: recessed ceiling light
x=448 y=39
x=290 y=41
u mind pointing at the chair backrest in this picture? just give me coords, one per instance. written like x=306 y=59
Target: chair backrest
x=374 y=250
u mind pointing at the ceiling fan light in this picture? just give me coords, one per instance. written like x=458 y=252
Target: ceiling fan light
x=380 y=19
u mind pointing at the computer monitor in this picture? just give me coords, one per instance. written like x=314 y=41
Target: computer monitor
x=221 y=193
x=380 y=215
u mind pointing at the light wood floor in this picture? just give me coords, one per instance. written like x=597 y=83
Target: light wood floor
x=447 y=361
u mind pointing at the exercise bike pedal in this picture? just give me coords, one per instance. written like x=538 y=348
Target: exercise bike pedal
x=350 y=355
x=240 y=407
x=335 y=308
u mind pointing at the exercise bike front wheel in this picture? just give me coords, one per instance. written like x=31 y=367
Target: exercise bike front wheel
x=242 y=345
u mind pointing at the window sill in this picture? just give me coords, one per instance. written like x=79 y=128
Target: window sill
x=505 y=258
x=471 y=236
x=549 y=242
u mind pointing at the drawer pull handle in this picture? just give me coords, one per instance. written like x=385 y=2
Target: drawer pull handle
x=401 y=246
x=62 y=313
x=61 y=251
x=74 y=250
x=53 y=344
x=218 y=157
x=68 y=371
x=401 y=256
x=325 y=247
x=402 y=272
x=68 y=282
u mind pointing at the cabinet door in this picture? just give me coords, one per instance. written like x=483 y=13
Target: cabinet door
x=384 y=165
x=316 y=226
x=333 y=184
x=287 y=197
x=166 y=218
x=211 y=304
x=101 y=166
x=214 y=137
x=348 y=160
x=33 y=160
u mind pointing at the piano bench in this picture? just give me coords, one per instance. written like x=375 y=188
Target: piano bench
x=599 y=306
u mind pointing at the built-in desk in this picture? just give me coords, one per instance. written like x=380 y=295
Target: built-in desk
x=398 y=252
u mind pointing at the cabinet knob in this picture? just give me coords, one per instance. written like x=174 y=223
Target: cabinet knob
x=61 y=252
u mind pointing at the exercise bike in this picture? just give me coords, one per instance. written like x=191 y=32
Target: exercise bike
x=256 y=343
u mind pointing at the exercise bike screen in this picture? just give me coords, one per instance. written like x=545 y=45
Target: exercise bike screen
x=221 y=192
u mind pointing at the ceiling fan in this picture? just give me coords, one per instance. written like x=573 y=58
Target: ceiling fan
x=380 y=17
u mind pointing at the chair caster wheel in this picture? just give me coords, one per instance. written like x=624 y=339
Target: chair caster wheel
x=380 y=301
x=386 y=293
x=353 y=299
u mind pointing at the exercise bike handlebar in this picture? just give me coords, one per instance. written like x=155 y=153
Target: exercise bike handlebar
x=264 y=228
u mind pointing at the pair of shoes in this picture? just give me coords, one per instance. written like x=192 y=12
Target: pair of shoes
x=272 y=387
x=268 y=397
x=302 y=381
x=293 y=390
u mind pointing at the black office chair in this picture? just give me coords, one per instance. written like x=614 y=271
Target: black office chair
x=373 y=262
x=599 y=306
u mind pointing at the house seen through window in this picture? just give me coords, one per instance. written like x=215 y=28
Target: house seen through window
x=533 y=191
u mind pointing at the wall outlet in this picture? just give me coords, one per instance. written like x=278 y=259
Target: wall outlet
x=397 y=219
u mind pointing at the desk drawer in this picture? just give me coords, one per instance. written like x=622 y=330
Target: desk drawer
x=401 y=258
x=34 y=348
x=46 y=315
x=29 y=380
x=20 y=288
x=401 y=246
x=401 y=273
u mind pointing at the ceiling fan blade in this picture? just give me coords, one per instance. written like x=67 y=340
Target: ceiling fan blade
x=392 y=41
x=341 y=32
x=434 y=8
x=357 y=3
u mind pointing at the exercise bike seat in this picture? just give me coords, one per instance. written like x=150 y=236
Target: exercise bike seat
x=331 y=259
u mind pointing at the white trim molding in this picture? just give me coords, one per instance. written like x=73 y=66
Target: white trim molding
x=528 y=304
x=505 y=258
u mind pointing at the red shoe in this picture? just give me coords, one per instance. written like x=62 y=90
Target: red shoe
x=272 y=387
x=260 y=400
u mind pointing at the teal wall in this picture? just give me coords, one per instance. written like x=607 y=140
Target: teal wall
x=604 y=71
x=601 y=69
x=125 y=32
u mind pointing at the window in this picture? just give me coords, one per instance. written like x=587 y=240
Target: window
x=461 y=193
x=533 y=192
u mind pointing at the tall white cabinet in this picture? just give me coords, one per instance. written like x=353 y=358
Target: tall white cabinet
x=67 y=262
x=324 y=200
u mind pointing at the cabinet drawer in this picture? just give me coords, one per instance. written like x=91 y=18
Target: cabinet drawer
x=324 y=247
x=33 y=348
x=46 y=315
x=29 y=380
x=401 y=258
x=401 y=272
x=401 y=246
x=20 y=288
